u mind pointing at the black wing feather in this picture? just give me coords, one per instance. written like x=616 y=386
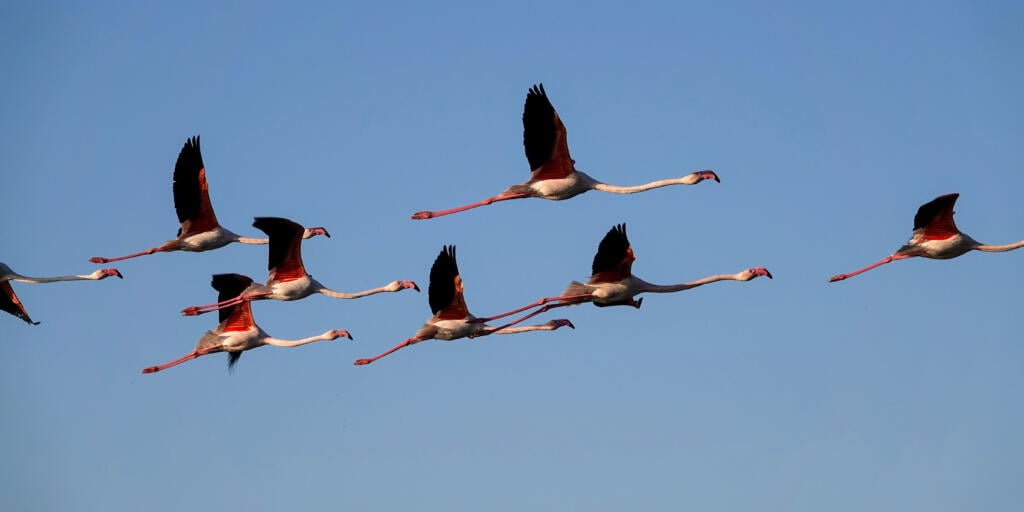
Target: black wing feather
x=8 y=304
x=442 y=279
x=611 y=251
x=933 y=209
x=186 y=180
x=538 y=126
x=284 y=235
x=229 y=286
x=233 y=358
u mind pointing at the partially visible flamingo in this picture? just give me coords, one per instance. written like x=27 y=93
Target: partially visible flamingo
x=452 y=319
x=199 y=229
x=935 y=236
x=9 y=301
x=612 y=282
x=288 y=279
x=237 y=331
x=553 y=175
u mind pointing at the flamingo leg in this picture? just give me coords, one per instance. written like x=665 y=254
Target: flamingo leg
x=406 y=343
x=888 y=259
x=209 y=308
x=195 y=353
x=489 y=200
x=540 y=302
x=525 y=317
x=100 y=260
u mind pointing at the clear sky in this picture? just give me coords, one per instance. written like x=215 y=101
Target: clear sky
x=896 y=390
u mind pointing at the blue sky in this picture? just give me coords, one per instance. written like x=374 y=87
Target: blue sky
x=829 y=125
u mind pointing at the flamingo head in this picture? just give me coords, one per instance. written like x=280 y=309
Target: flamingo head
x=108 y=272
x=700 y=176
x=561 y=322
x=317 y=231
x=337 y=333
x=749 y=274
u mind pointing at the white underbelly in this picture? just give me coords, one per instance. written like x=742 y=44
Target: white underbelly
x=208 y=240
x=293 y=290
x=455 y=329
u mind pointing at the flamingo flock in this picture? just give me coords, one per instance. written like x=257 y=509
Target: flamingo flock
x=553 y=176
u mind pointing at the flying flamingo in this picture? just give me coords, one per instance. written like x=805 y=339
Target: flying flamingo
x=612 y=282
x=9 y=301
x=237 y=331
x=553 y=175
x=199 y=229
x=288 y=279
x=452 y=319
x=935 y=236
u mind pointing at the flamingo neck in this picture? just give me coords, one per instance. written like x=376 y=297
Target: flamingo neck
x=252 y=241
x=525 y=328
x=644 y=286
x=307 y=233
x=354 y=295
x=37 y=280
x=615 y=189
x=1000 y=248
x=289 y=343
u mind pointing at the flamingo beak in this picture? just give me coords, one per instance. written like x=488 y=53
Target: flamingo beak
x=321 y=231
x=344 y=334
x=709 y=175
x=113 y=272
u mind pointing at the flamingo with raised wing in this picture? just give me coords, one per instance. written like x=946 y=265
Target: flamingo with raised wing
x=935 y=236
x=452 y=319
x=612 y=282
x=237 y=331
x=199 y=229
x=553 y=172
x=9 y=301
x=288 y=279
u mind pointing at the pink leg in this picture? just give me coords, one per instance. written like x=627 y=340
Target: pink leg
x=525 y=317
x=489 y=200
x=540 y=302
x=406 y=343
x=136 y=255
x=196 y=353
x=889 y=259
x=209 y=308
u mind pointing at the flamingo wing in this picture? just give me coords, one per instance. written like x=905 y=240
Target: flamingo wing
x=614 y=259
x=544 y=138
x=10 y=303
x=237 y=317
x=285 y=263
x=191 y=191
x=445 y=292
x=934 y=219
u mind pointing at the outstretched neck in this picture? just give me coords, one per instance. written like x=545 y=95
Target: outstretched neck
x=36 y=280
x=644 y=286
x=393 y=286
x=1000 y=248
x=294 y=343
x=308 y=233
x=525 y=328
x=690 y=179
